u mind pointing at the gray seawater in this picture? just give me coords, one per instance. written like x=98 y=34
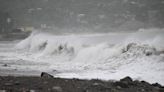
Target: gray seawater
x=11 y=64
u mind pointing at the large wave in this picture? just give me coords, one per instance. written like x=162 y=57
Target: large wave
x=112 y=55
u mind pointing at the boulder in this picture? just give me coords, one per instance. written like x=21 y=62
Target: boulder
x=124 y=83
x=127 y=79
x=156 y=85
x=57 y=89
x=46 y=75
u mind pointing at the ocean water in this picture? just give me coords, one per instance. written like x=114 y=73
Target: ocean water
x=139 y=55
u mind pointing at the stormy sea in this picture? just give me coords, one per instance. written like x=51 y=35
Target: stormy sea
x=105 y=56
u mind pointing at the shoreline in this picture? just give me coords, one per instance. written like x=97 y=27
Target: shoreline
x=48 y=83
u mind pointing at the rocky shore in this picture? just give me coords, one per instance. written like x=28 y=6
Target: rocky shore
x=47 y=83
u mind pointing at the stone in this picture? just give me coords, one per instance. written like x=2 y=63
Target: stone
x=161 y=90
x=32 y=90
x=121 y=84
x=3 y=91
x=46 y=75
x=96 y=87
x=118 y=87
x=142 y=90
x=127 y=79
x=156 y=85
x=17 y=83
x=8 y=84
x=124 y=83
x=57 y=89
x=144 y=83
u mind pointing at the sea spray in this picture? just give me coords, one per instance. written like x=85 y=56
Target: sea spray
x=113 y=55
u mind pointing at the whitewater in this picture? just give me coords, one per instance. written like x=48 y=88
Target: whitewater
x=108 y=56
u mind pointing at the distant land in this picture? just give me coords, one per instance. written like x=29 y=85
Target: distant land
x=99 y=15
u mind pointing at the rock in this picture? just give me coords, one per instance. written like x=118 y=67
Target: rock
x=25 y=89
x=3 y=91
x=161 y=90
x=1 y=78
x=127 y=79
x=142 y=90
x=145 y=84
x=8 y=84
x=148 y=53
x=156 y=85
x=32 y=90
x=96 y=87
x=124 y=83
x=57 y=89
x=121 y=84
x=118 y=87
x=60 y=47
x=95 y=84
x=17 y=83
x=46 y=75
x=45 y=82
x=136 y=82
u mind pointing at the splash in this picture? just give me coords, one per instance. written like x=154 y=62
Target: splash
x=113 y=55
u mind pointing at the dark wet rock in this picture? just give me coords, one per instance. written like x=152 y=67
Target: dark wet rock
x=96 y=81
x=45 y=82
x=124 y=83
x=24 y=90
x=57 y=89
x=3 y=91
x=118 y=87
x=38 y=84
x=161 y=90
x=8 y=84
x=17 y=83
x=1 y=78
x=46 y=75
x=148 y=53
x=142 y=90
x=156 y=85
x=60 y=47
x=121 y=84
x=96 y=84
x=32 y=90
x=96 y=87
x=127 y=79
x=136 y=83
x=145 y=84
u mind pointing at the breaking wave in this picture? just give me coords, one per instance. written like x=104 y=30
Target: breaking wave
x=113 y=55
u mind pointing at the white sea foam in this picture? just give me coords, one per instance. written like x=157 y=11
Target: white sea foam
x=106 y=56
